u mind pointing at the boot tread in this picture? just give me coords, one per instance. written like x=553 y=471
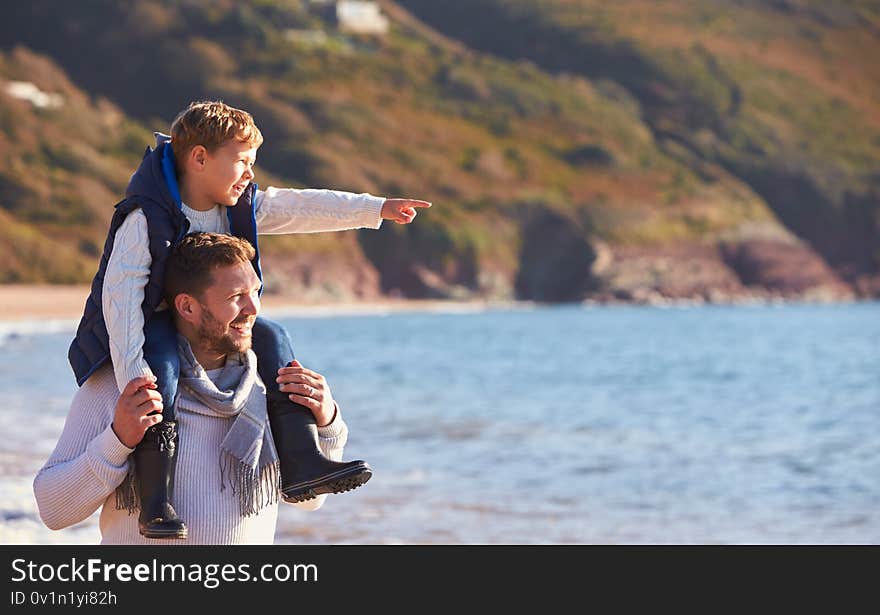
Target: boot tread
x=347 y=483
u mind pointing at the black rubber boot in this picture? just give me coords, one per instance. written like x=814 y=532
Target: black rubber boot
x=305 y=472
x=155 y=460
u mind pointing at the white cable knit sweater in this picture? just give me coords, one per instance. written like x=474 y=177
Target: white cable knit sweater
x=278 y=211
x=89 y=462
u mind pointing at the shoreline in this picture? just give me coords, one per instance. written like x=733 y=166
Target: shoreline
x=27 y=302
x=60 y=306
x=22 y=304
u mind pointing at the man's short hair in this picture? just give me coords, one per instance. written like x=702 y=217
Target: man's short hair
x=211 y=123
x=191 y=263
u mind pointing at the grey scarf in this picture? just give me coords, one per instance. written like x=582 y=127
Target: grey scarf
x=248 y=460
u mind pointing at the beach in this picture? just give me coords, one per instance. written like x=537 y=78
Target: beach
x=41 y=302
x=46 y=302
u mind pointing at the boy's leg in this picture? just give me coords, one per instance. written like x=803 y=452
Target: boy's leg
x=155 y=458
x=305 y=471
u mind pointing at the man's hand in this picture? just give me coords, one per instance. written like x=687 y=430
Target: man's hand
x=138 y=400
x=402 y=211
x=309 y=389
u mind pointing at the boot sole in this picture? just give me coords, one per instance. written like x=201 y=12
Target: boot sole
x=160 y=533
x=163 y=534
x=340 y=482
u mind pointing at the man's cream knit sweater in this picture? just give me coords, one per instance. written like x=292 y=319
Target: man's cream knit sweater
x=89 y=462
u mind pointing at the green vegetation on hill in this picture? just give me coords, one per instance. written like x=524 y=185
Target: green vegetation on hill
x=632 y=123
x=783 y=95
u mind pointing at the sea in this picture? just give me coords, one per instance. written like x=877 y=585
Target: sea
x=525 y=424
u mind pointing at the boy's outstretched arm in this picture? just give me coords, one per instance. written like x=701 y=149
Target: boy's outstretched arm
x=402 y=211
x=310 y=210
x=292 y=210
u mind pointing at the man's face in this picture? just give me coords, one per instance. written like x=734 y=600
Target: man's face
x=228 y=171
x=229 y=307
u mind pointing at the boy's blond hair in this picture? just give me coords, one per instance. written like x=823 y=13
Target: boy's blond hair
x=211 y=123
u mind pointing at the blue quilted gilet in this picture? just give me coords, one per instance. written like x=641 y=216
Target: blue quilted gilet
x=154 y=189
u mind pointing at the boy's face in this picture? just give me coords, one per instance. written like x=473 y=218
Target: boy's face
x=228 y=171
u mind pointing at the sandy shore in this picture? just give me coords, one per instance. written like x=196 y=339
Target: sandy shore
x=41 y=302
x=48 y=302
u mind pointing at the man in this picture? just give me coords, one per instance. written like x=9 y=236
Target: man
x=226 y=478
x=201 y=179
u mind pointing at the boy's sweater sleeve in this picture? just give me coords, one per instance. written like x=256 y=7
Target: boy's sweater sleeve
x=88 y=462
x=128 y=271
x=289 y=210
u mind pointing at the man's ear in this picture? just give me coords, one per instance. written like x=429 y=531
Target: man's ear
x=188 y=308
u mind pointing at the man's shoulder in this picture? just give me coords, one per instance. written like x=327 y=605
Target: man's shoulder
x=95 y=401
x=100 y=384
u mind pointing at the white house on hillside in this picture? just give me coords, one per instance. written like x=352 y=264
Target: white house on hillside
x=25 y=90
x=361 y=17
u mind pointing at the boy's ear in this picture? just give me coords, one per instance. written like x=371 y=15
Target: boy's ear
x=188 y=308
x=198 y=155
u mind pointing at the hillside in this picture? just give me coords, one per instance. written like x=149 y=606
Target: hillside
x=784 y=95
x=609 y=158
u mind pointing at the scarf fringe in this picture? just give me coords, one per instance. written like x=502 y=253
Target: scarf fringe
x=256 y=488
x=127 y=495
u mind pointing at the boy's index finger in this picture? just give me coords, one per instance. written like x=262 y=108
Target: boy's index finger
x=420 y=203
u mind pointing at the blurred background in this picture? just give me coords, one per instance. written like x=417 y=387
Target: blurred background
x=665 y=217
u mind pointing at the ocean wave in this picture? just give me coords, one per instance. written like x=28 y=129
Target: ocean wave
x=23 y=328
x=388 y=309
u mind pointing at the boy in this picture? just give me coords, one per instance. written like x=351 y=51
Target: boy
x=199 y=179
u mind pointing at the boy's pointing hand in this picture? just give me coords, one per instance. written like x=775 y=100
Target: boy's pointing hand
x=402 y=211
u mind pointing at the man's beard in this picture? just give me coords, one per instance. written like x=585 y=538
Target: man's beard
x=214 y=335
